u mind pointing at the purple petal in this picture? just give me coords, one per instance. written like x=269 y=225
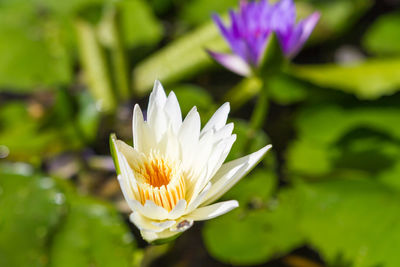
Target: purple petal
x=233 y=34
x=283 y=16
x=232 y=62
x=253 y=23
x=224 y=31
x=296 y=39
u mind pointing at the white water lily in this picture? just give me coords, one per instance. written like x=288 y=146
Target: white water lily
x=175 y=170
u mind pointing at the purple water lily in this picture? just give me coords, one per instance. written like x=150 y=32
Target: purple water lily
x=250 y=28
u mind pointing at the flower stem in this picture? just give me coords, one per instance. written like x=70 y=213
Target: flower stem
x=260 y=111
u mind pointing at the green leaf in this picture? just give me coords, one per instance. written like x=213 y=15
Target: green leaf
x=345 y=220
x=342 y=219
x=363 y=139
x=139 y=25
x=382 y=36
x=67 y=8
x=180 y=59
x=286 y=90
x=88 y=118
x=40 y=47
x=336 y=16
x=36 y=54
x=257 y=232
x=370 y=79
x=31 y=209
x=199 y=11
x=29 y=138
x=54 y=226
x=113 y=149
x=92 y=234
x=242 y=92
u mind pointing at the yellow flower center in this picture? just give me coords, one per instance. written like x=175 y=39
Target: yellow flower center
x=160 y=180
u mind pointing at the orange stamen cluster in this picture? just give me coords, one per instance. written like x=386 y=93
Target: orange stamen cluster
x=161 y=182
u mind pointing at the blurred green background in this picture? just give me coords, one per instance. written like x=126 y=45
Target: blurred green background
x=70 y=72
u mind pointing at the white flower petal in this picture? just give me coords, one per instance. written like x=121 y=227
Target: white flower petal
x=157 y=121
x=224 y=132
x=201 y=155
x=155 y=210
x=150 y=236
x=190 y=129
x=150 y=210
x=219 y=155
x=173 y=111
x=129 y=152
x=157 y=98
x=218 y=120
x=126 y=192
x=189 y=137
x=230 y=173
x=210 y=161
x=178 y=210
x=144 y=223
x=197 y=199
x=143 y=138
x=128 y=176
x=212 y=211
x=164 y=224
x=169 y=145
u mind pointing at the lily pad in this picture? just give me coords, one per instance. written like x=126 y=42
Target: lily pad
x=31 y=210
x=92 y=234
x=256 y=231
x=381 y=37
x=362 y=139
x=370 y=79
x=332 y=216
x=54 y=226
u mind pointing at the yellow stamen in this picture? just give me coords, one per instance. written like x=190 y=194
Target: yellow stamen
x=160 y=181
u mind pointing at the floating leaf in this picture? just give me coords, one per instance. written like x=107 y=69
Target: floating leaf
x=367 y=80
x=54 y=226
x=344 y=220
x=382 y=36
x=257 y=232
x=363 y=139
x=92 y=234
x=31 y=209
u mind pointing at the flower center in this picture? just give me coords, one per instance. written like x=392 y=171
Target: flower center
x=157 y=173
x=160 y=180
